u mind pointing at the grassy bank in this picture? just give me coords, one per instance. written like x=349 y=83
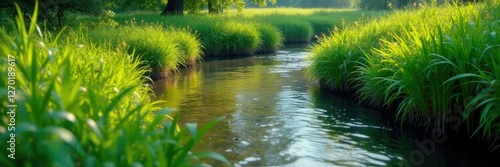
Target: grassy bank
x=163 y=50
x=166 y=43
x=254 y=30
x=435 y=64
x=69 y=102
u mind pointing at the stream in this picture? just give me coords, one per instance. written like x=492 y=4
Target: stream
x=275 y=117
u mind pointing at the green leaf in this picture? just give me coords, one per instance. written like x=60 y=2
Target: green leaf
x=213 y=155
x=114 y=103
x=208 y=126
x=90 y=161
x=192 y=127
x=61 y=115
x=93 y=125
x=65 y=135
x=460 y=76
x=26 y=127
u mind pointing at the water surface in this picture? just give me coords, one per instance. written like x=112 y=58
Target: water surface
x=277 y=118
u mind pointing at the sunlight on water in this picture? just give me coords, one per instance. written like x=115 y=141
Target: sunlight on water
x=276 y=118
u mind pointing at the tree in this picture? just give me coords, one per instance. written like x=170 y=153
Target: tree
x=174 y=7
x=54 y=12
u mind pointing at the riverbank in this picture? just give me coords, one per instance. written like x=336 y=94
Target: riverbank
x=77 y=92
x=221 y=34
x=437 y=65
x=167 y=43
x=67 y=101
x=276 y=118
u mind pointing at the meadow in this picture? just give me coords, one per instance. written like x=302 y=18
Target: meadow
x=438 y=66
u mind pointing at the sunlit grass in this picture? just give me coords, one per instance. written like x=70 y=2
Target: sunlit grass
x=163 y=50
x=429 y=63
x=293 y=25
x=257 y=12
x=190 y=48
x=83 y=104
x=271 y=38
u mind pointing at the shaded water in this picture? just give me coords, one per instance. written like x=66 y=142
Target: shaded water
x=276 y=118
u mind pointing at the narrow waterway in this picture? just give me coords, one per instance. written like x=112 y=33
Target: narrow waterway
x=276 y=118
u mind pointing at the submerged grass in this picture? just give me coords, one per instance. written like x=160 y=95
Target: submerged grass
x=82 y=104
x=431 y=64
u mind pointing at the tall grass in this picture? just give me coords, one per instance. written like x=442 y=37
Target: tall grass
x=292 y=26
x=229 y=38
x=429 y=63
x=81 y=104
x=271 y=38
x=164 y=50
x=190 y=48
x=293 y=29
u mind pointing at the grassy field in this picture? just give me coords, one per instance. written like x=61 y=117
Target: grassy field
x=433 y=64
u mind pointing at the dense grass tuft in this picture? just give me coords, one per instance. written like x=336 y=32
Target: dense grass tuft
x=162 y=50
x=190 y=48
x=293 y=30
x=230 y=38
x=430 y=63
x=271 y=38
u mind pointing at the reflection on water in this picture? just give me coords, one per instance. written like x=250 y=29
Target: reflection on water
x=275 y=118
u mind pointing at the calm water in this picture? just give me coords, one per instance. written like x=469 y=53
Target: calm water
x=276 y=118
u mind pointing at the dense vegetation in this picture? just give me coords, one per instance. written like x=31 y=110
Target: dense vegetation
x=81 y=104
x=438 y=65
x=162 y=50
x=78 y=91
x=257 y=30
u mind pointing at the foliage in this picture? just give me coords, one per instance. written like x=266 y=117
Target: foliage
x=124 y=5
x=55 y=12
x=314 y=3
x=218 y=6
x=81 y=104
x=163 y=50
x=229 y=38
x=431 y=64
x=373 y=4
x=259 y=30
x=271 y=38
x=294 y=30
